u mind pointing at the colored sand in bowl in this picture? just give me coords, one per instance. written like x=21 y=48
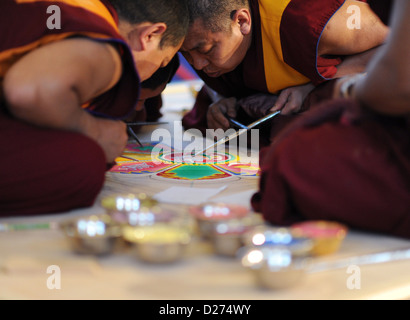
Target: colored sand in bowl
x=157 y=234
x=218 y=212
x=320 y=229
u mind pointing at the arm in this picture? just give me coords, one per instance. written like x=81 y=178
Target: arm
x=339 y=38
x=48 y=86
x=356 y=63
x=358 y=45
x=386 y=89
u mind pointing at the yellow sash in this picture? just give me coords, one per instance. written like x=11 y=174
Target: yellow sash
x=279 y=75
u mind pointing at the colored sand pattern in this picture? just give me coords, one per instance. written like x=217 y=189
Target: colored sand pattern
x=164 y=162
x=194 y=172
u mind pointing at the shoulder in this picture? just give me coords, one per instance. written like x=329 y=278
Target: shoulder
x=354 y=28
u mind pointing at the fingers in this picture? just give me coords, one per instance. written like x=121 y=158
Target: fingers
x=282 y=100
x=216 y=114
x=216 y=118
x=293 y=105
x=290 y=100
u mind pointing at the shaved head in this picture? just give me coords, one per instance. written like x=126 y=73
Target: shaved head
x=173 y=13
x=215 y=14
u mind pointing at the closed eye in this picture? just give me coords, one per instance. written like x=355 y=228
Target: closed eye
x=207 y=52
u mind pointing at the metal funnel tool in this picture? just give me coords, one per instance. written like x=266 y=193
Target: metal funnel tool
x=240 y=132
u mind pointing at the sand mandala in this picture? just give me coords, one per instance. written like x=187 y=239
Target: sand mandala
x=163 y=162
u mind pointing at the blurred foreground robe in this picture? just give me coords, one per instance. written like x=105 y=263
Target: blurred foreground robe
x=283 y=54
x=343 y=163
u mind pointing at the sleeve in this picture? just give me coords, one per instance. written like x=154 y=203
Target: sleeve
x=302 y=25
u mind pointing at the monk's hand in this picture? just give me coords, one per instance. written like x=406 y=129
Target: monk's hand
x=111 y=135
x=258 y=105
x=216 y=113
x=291 y=99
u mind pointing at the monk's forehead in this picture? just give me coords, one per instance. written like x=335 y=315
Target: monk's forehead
x=198 y=36
x=195 y=43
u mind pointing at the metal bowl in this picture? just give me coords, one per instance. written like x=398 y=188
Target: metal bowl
x=135 y=210
x=208 y=215
x=275 y=267
x=159 y=243
x=266 y=236
x=227 y=236
x=96 y=235
x=276 y=256
x=224 y=225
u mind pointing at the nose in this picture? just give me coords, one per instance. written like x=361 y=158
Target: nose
x=199 y=62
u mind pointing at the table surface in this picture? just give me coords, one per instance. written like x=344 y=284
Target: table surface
x=25 y=256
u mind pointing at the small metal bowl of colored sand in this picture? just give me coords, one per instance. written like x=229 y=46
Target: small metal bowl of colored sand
x=276 y=256
x=96 y=235
x=266 y=236
x=275 y=267
x=224 y=225
x=135 y=210
x=227 y=236
x=327 y=236
x=210 y=214
x=159 y=243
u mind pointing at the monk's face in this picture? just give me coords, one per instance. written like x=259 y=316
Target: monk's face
x=215 y=53
x=146 y=94
x=153 y=59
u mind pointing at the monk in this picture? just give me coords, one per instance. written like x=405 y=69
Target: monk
x=349 y=159
x=282 y=49
x=70 y=72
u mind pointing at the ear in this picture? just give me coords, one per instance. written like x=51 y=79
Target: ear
x=151 y=35
x=146 y=36
x=243 y=18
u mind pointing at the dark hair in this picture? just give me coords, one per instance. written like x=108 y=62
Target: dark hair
x=174 y=13
x=162 y=75
x=215 y=14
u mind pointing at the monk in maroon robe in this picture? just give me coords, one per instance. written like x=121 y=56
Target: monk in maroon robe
x=70 y=72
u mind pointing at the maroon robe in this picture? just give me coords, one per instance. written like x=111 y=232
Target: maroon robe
x=342 y=163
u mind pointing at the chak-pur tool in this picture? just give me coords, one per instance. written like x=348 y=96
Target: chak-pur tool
x=133 y=134
x=240 y=132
